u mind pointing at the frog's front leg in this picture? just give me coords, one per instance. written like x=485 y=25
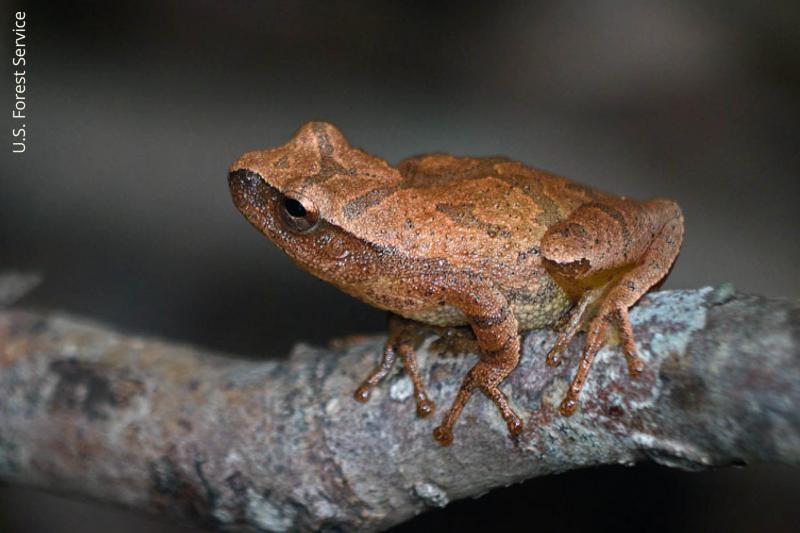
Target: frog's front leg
x=495 y=328
x=404 y=338
x=613 y=252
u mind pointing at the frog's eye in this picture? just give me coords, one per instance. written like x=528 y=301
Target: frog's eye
x=298 y=213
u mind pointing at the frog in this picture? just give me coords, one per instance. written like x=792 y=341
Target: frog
x=485 y=243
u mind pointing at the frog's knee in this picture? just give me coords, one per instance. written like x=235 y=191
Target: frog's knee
x=596 y=237
x=566 y=248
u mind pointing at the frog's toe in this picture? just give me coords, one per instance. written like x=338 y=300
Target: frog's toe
x=635 y=365
x=623 y=321
x=425 y=407
x=513 y=422
x=568 y=406
x=594 y=340
x=554 y=355
x=363 y=393
x=443 y=435
x=514 y=426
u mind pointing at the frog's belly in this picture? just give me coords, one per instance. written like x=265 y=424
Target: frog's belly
x=534 y=307
x=540 y=307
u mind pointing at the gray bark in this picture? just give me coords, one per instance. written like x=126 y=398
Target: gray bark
x=242 y=445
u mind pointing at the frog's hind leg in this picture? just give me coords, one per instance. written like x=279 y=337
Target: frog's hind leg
x=404 y=338
x=635 y=244
x=495 y=327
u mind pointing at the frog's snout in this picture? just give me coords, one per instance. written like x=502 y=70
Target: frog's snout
x=244 y=186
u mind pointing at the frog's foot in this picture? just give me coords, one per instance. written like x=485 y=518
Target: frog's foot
x=485 y=377
x=403 y=338
x=364 y=391
x=608 y=314
x=594 y=340
x=569 y=329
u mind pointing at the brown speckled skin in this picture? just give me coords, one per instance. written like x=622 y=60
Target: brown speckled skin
x=451 y=241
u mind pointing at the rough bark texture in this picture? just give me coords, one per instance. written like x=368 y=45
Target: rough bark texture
x=243 y=445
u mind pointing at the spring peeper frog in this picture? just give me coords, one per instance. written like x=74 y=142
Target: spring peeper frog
x=451 y=241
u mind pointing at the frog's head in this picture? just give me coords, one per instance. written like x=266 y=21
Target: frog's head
x=298 y=195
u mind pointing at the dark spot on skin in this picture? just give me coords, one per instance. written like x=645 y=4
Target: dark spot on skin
x=525 y=254
x=85 y=386
x=464 y=215
x=328 y=166
x=283 y=162
x=573 y=229
x=356 y=207
x=631 y=286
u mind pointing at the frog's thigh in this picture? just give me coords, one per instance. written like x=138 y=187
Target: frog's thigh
x=612 y=234
x=492 y=320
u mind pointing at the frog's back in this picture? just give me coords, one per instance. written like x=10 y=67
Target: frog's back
x=466 y=209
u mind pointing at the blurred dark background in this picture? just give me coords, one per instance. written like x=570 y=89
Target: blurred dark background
x=137 y=108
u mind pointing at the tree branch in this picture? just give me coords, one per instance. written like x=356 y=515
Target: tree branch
x=276 y=446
